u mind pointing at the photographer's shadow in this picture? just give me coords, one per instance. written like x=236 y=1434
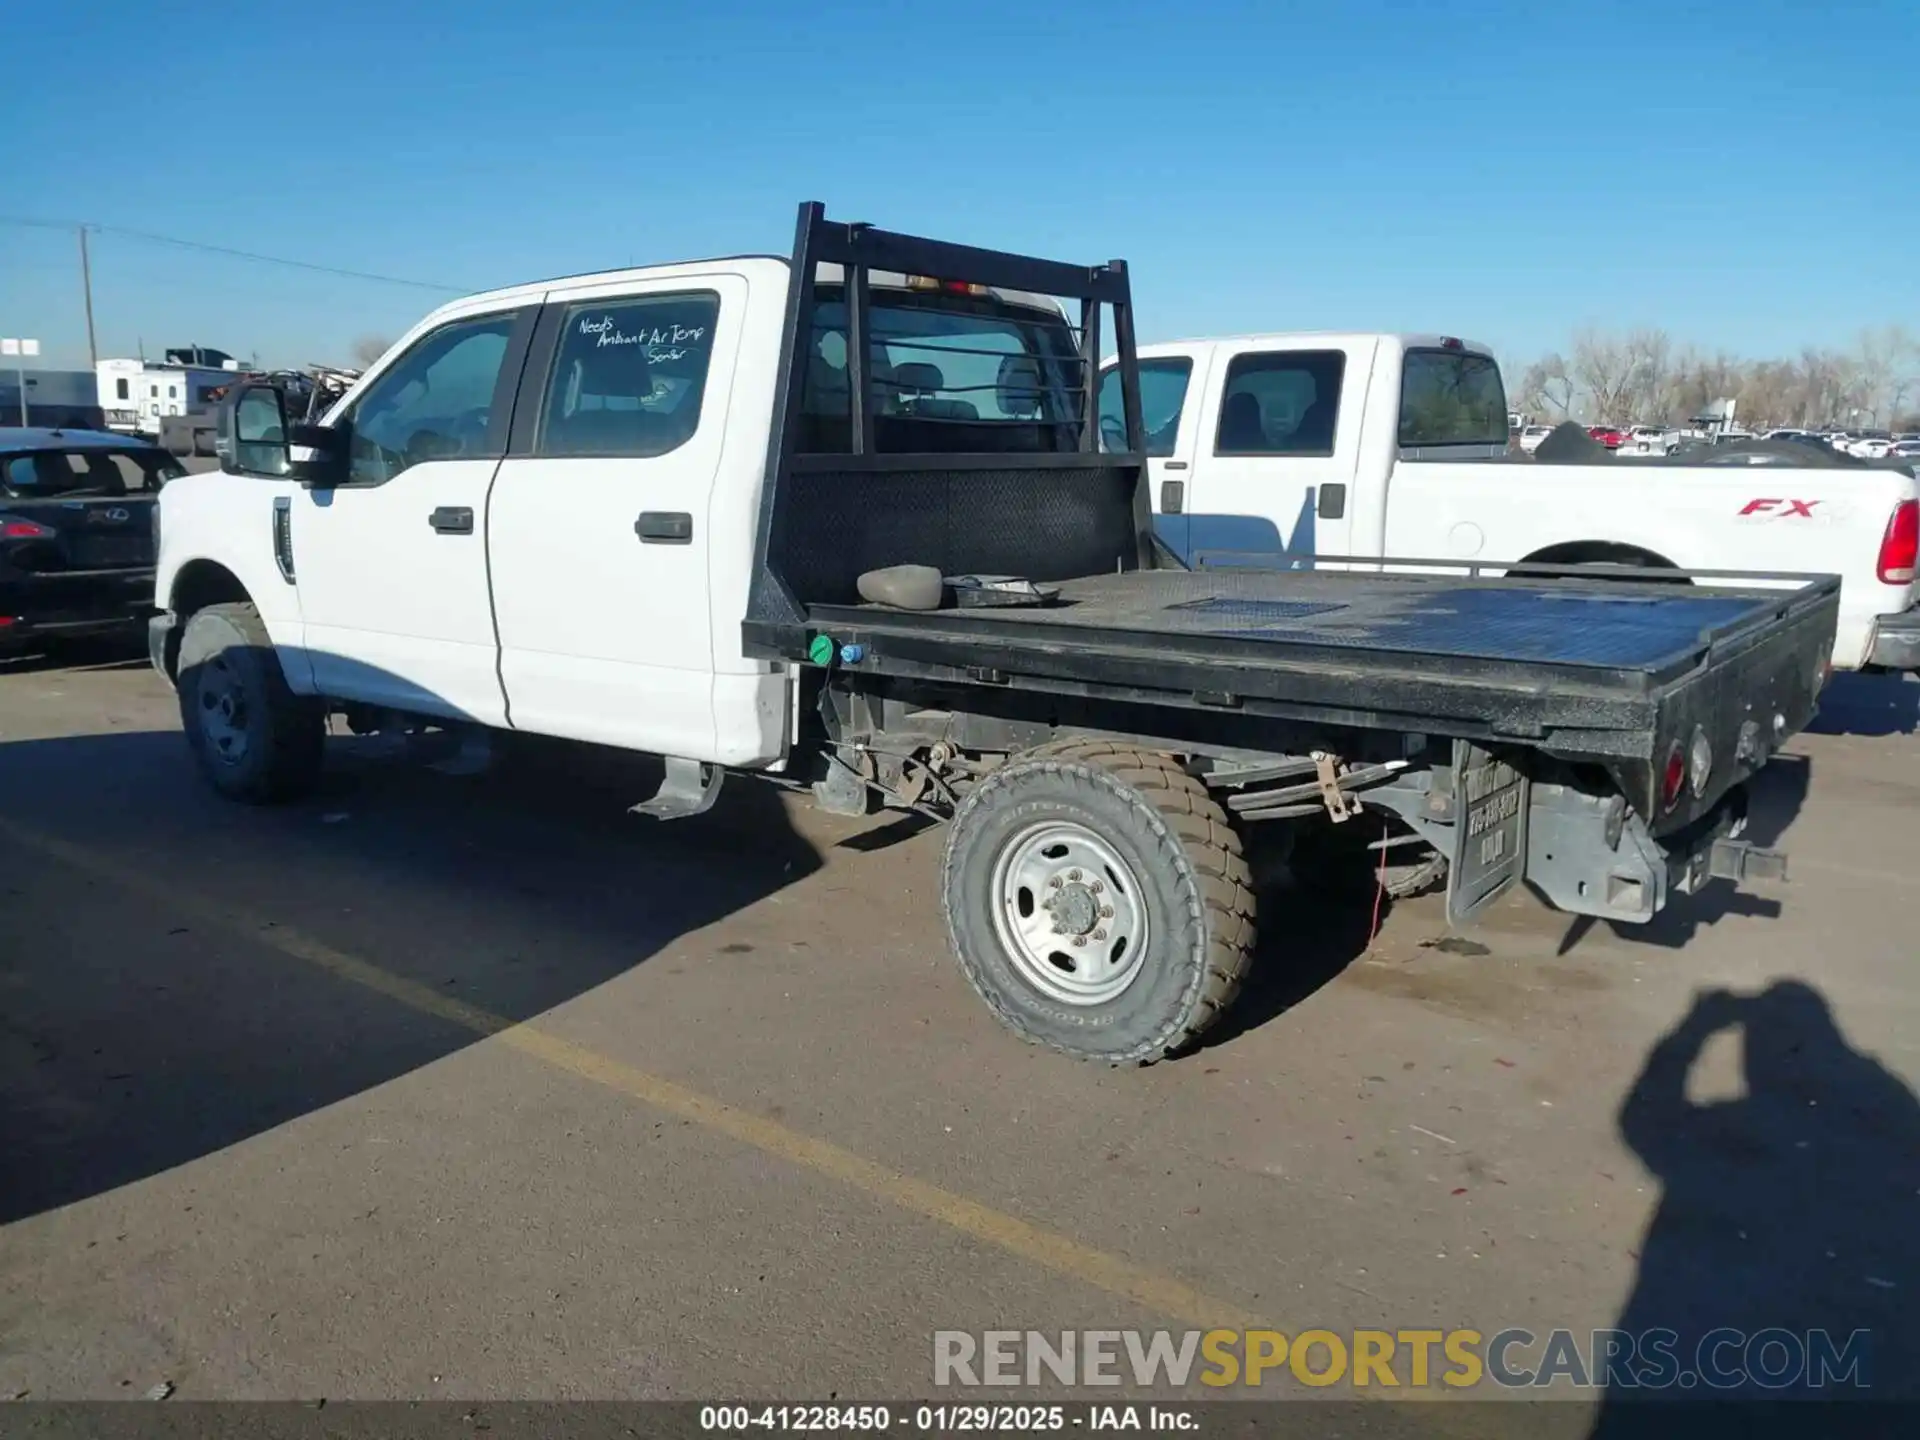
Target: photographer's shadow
x=1792 y=1208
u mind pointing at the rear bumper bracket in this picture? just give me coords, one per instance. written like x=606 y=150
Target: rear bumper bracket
x=1896 y=642
x=1742 y=863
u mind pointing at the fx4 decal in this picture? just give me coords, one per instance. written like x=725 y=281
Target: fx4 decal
x=1785 y=509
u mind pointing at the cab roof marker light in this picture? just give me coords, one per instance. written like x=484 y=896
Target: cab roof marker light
x=949 y=287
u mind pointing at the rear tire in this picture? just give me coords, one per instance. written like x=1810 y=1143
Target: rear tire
x=1099 y=901
x=254 y=739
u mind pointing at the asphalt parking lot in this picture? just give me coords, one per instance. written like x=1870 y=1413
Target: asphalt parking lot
x=445 y=1086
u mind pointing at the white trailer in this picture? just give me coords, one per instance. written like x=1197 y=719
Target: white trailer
x=136 y=395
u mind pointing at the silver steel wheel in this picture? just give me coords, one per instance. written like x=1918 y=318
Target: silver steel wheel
x=224 y=717
x=1070 y=913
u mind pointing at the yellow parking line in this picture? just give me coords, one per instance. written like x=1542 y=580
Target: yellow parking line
x=1164 y=1294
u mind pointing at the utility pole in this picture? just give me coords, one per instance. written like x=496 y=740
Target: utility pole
x=86 y=286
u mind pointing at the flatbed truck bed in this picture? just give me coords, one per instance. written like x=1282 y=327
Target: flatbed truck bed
x=1579 y=669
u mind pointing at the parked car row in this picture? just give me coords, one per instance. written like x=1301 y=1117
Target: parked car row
x=1861 y=444
x=1640 y=439
x=1666 y=439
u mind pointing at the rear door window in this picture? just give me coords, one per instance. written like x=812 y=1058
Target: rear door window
x=1163 y=395
x=629 y=376
x=1282 y=402
x=1452 y=397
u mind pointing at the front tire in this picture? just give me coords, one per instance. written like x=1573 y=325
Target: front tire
x=1099 y=901
x=254 y=739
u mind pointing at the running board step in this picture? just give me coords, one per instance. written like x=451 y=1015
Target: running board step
x=688 y=788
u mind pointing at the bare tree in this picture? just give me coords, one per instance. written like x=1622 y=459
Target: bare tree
x=1771 y=392
x=1546 y=388
x=1603 y=366
x=1649 y=365
x=369 y=348
x=1881 y=375
x=1641 y=376
x=1829 y=387
x=1904 y=386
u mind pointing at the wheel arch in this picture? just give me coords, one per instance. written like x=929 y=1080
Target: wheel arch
x=196 y=585
x=200 y=583
x=1599 y=552
x=1589 y=552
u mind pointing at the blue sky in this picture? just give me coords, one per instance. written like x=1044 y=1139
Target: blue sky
x=1745 y=175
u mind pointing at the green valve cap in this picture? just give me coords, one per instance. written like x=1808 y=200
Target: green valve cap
x=821 y=650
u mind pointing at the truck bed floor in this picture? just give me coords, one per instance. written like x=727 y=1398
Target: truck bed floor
x=1649 y=628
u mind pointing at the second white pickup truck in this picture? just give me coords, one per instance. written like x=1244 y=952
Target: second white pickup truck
x=1270 y=448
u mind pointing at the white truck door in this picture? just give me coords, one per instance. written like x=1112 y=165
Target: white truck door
x=1171 y=391
x=600 y=540
x=391 y=565
x=1275 y=471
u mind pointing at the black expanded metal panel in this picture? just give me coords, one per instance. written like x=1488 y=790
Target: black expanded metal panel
x=919 y=499
x=1045 y=524
x=1223 y=610
x=1547 y=621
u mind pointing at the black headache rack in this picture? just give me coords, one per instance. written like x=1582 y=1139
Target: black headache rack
x=825 y=519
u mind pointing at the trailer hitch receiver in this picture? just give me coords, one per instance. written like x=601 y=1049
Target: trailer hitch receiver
x=1740 y=862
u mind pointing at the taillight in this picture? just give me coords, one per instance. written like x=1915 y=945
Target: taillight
x=14 y=528
x=1675 y=778
x=1900 y=550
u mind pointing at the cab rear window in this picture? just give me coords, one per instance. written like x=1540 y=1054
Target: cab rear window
x=949 y=374
x=1452 y=397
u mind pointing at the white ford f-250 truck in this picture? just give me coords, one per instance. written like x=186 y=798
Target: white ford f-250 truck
x=844 y=521
x=1270 y=447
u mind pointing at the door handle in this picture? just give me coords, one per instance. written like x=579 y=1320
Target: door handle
x=664 y=527
x=1173 y=496
x=1332 y=502
x=452 y=520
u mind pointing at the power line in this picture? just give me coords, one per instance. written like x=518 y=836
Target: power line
x=201 y=245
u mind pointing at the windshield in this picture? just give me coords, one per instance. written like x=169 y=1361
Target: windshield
x=1452 y=397
x=42 y=473
x=949 y=374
